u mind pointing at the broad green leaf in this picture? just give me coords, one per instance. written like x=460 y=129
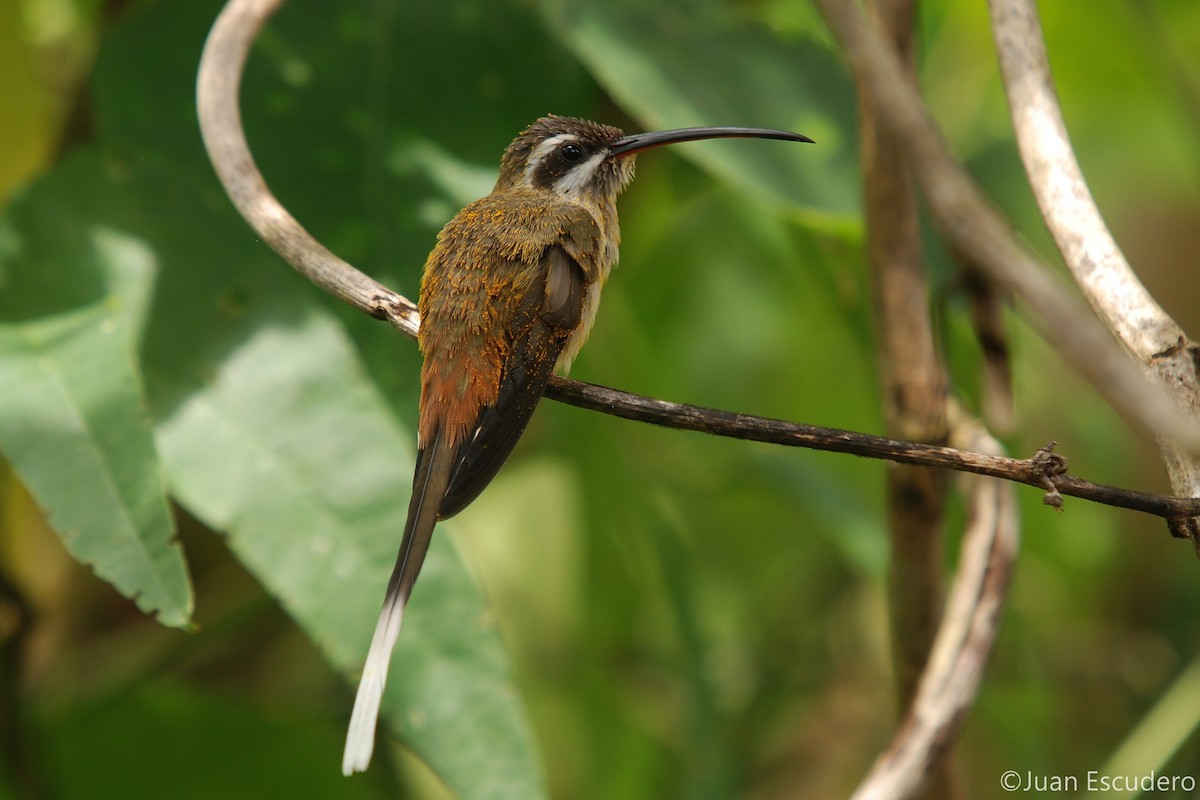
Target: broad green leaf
x=73 y=419
x=73 y=426
x=270 y=427
x=675 y=66
x=271 y=431
x=290 y=449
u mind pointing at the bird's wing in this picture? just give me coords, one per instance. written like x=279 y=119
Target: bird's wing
x=542 y=323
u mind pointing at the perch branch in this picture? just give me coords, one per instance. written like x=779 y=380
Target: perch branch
x=1046 y=466
x=221 y=67
x=974 y=227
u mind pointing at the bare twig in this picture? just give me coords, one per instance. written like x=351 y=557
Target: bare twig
x=1097 y=264
x=217 y=85
x=973 y=226
x=968 y=631
x=1087 y=247
x=1032 y=471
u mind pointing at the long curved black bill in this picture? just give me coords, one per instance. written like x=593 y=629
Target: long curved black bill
x=628 y=145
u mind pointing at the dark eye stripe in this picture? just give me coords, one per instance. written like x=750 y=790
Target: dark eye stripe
x=558 y=164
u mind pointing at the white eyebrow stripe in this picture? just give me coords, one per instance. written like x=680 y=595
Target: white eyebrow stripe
x=544 y=149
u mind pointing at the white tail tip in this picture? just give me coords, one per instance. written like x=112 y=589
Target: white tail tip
x=360 y=739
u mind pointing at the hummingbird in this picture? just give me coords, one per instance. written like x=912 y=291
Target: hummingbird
x=508 y=296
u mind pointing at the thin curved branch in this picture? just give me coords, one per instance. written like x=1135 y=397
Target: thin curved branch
x=1045 y=470
x=1096 y=262
x=976 y=229
x=1100 y=270
x=951 y=678
x=221 y=67
x=217 y=89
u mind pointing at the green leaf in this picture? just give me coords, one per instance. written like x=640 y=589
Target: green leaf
x=72 y=423
x=677 y=66
x=291 y=450
x=270 y=430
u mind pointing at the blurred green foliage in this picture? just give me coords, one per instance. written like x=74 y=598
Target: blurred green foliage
x=628 y=612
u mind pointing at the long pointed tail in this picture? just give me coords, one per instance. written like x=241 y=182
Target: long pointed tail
x=430 y=480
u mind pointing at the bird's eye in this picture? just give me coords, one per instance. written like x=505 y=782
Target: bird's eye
x=571 y=153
